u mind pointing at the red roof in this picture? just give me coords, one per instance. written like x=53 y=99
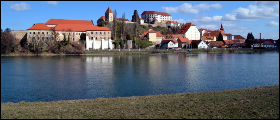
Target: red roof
x=75 y=27
x=238 y=37
x=65 y=21
x=228 y=42
x=39 y=26
x=155 y=12
x=165 y=41
x=122 y=19
x=184 y=40
x=109 y=10
x=169 y=22
x=140 y=18
x=185 y=28
x=151 y=31
x=155 y=19
x=208 y=37
x=102 y=17
x=217 y=43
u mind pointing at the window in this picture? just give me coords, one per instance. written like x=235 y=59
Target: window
x=76 y=33
x=100 y=38
x=100 y=33
x=47 y=33
x=95 y=32
x=42 y=38
x=104 y=33
x=29 y=32
x=38 y=38
x=33 y=32
x=42 y=32
x=91 y=32
x=47 y=38
x=73 y=33
x=73 y=39
x=38 y=32
x=92 y=38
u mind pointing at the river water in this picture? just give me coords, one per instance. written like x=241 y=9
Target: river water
x=52 y=78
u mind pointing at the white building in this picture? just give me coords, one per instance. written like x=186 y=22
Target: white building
x=98 y=44
x=172 y=24
x=189 y=31
x=160 y=16
x=169 y=43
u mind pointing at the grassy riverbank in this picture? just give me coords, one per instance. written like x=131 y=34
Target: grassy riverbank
x=248 y=103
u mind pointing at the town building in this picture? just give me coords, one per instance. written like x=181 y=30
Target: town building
x=169 y=43
x=149 y=16
x=109 y=17
x=153 y=36
x=172 y=24
x=189 y=31
x=63 y=29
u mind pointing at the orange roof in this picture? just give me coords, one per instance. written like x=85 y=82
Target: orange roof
x=75 y=27
x=185 y=28
x=208 y=37
x=102 y=17
x=184 y=40
x=217 y=43
x=238 y=37
x=155 y=12
x=109 y=10
x=140 y=18
x=65 y=21
x=122 y=19
x=39 y=26
x=228 y=42
x=151 y=31
x=155 y=19
x=169 y=22
x=165 y=41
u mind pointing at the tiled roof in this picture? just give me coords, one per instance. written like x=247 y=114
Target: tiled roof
x=228 y=34
x=74 y=27
x=184 y=40
x=122 y=19
x=228 y=42
x=155 y=19
x=169 y=22
x=216 y=43
x=140 y=18
x=155 y=12
x=165 y=41
x=39 y=26
x=109 y=10
x=201 y=29
x=102 y=17
x=185 y=28
x=151 y=31
x=65 y=21
x=238 y=37
x=208 y=37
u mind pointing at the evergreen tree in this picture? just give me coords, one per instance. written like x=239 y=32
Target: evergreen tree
x=220 y=37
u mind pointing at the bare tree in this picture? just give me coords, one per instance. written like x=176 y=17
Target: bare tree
x=123 y=26
x=114 y=24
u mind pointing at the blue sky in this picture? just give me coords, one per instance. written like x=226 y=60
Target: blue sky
x=238 y=17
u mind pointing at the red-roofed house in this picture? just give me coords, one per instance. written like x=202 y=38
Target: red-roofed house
x=216 y=44
x=189 y=31
x=109 y=17
x=153 y=36
x=160 y=16
x=183 y=42
x=172 y=24
x=169 y=43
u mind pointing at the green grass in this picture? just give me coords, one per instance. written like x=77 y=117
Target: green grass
x=248 y=103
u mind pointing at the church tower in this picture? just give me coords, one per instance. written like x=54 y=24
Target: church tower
x=109 y=15
x=222 y=29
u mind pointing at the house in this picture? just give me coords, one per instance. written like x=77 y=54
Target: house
x=109 y=15
x=268 y=44
x=228 y=43
x=198 y=44
x=149 y=16
x=208 y=38
x=189 y=31
x=172 y=24
x=183 y=42
x=238 y=45
x=153 y=36
x=239 y=37
x=169 y=43
x=216 y=44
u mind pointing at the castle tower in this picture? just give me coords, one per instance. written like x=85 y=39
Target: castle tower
x=109 y=15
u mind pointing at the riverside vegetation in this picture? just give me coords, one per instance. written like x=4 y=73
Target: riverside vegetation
x=247 y=103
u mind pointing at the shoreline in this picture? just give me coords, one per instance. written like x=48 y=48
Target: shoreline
x=194 y=51
x=256 y=102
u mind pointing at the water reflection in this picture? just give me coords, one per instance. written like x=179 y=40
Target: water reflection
x=87 y=77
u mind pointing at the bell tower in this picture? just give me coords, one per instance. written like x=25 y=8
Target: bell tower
x=109 y=15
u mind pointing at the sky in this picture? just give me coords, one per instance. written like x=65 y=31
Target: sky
x=237 y=17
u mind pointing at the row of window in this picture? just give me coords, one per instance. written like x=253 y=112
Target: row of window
x=100 y=33
x=100 y=38
x=39 y=33
x=43 y=38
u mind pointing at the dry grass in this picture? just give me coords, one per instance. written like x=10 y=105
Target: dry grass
x=260 y=102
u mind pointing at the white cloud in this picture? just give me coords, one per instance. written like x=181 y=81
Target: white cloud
x=257 y=11
x=272 y=23
x=21 y=6
x=52 y=2
x=188 y=8
x=206 y=19
x=209 y=27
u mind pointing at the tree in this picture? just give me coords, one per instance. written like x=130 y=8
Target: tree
x=220 y=38
x=250 y=36
x=114 y=30
x=7 y=30
x=249 y=39
x=83 y=36
x=122 y=26
x=8 y=42
x=135 y=17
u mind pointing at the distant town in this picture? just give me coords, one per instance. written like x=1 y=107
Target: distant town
x=150 y=30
